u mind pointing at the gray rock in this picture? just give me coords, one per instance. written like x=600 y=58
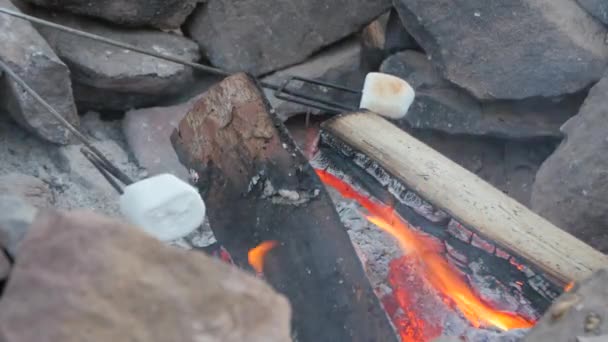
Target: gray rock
x=509 y=49
x=84 y=277
x=23 y=153
x=31 y=189
x=261 y=36
x=148 y=132
x=84 y=186
x=578 y=315
x=571 y=187
x=384 y=37
x=597 y=8
x=443 y=106
x=164 y=14
x=373 y=39
x=71 y=161
x=396 y=37
x=110 y=78
x=16 y=217
x=339 y=64
x=29 y=55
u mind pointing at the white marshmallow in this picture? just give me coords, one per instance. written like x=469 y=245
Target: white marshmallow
x=387 y=95
x=164 y=206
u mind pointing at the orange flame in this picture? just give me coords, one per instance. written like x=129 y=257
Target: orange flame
x=256 y=255
x=440 y=274
x=431 y=264
x=569 y=287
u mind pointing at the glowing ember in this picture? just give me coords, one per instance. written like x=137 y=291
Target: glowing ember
x=406 y=308
x=256 y=255
x=430 y=264
x=442 y=277
x=517 y=265
x=569 y=287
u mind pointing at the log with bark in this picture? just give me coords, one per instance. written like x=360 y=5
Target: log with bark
x=466 y=197
x=257 y=187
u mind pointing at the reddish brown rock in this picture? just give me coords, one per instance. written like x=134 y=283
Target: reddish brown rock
x=84 y=277
x=148 y=133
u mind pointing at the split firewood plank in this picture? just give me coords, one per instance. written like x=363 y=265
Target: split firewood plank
x=467 y=197
x=579 y=315
x=257 y=187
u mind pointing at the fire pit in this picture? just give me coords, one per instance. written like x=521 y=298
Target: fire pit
x=402 y=269
x=426 y=286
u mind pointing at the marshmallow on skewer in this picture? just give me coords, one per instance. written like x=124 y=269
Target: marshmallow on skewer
x=164 y=206
x=386 y=95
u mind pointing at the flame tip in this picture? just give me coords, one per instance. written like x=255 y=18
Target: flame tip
x=257 y=255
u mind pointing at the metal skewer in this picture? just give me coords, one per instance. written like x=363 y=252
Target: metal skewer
x=281 y=91
x=99 y=165
x=102 y=159
x=110 y=172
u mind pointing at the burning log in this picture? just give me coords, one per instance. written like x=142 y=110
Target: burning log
x=466 y=197
x=258 y=187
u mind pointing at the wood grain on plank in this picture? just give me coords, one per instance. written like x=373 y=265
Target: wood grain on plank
x=467 y=197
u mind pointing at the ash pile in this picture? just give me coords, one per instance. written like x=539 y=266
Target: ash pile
x=513 y=92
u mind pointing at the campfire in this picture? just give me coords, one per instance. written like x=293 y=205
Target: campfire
x=422 y=281
x=426 y=276
x=424 y=262
x=353 y=227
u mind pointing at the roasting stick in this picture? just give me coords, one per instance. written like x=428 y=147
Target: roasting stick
x=149 y=203
x=398 y=102
x=382 y=93
x=113 y=42
x=99 y=165
x=295 y=96
x=107 y=163
x=467 y=198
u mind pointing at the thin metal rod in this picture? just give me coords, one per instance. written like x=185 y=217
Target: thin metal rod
x=116 y=43
x=123 y=177
x=197 y=66
x=100 y=167
x=326 y=84
x=310 y=104
x=309 y=101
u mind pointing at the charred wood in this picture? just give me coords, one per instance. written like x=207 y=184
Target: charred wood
x=258 y=186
